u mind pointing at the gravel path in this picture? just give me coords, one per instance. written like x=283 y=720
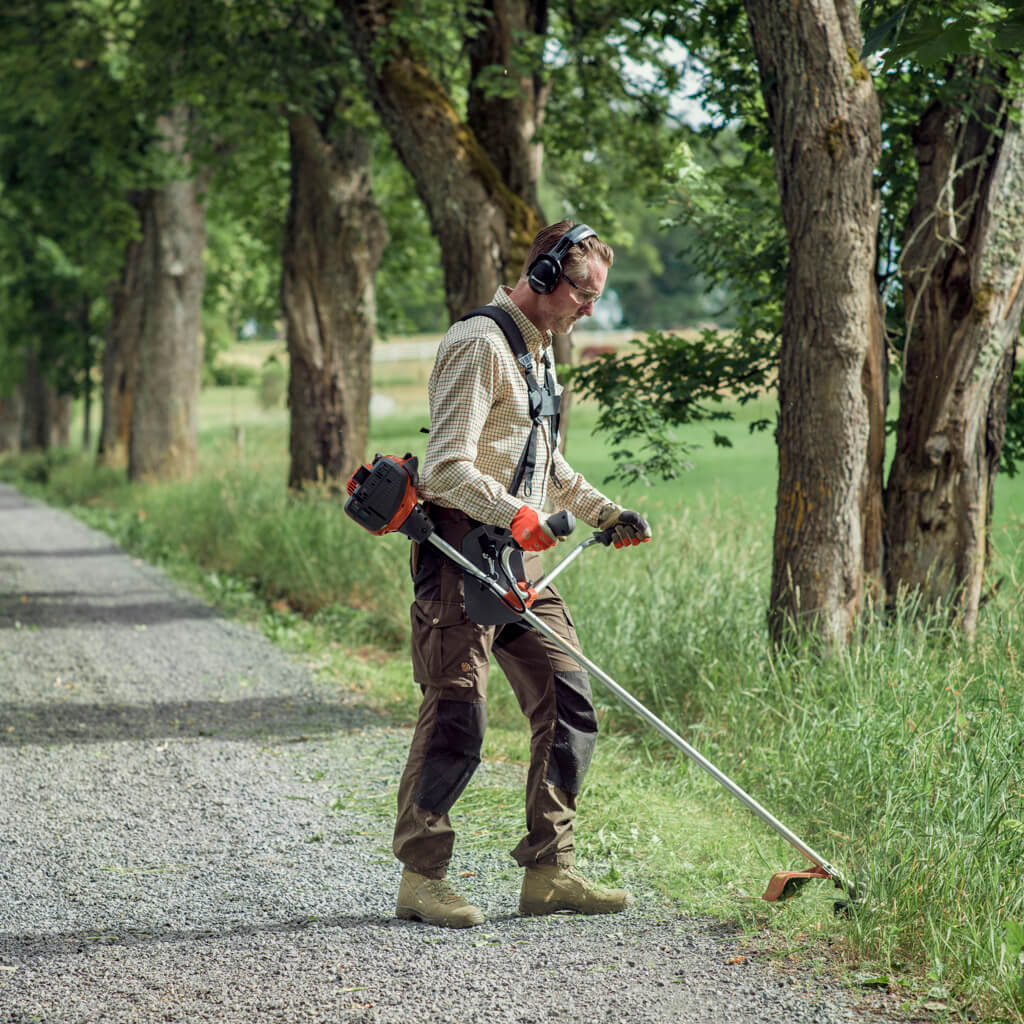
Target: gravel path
x=173 y=846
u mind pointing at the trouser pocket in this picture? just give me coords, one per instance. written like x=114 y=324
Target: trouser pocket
x=448 y=649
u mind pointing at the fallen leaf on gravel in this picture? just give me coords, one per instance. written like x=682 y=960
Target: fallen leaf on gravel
x=736 y=960
x=872 y=980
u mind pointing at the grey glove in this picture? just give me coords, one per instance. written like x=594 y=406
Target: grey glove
x=628 y=527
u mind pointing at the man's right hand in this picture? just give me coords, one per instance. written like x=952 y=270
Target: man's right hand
x=530 y=532
x=627 y=527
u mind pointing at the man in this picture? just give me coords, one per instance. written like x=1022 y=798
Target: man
x=492 y=458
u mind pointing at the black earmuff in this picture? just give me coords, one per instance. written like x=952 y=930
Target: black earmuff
x=545 y=271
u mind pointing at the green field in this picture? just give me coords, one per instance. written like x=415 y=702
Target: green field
x=899 y=760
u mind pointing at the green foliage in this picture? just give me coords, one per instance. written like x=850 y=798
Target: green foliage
x=609 y=127
x=736 y=238
x=719 y=184
x=64 y=215
x=273 y=383
x=713 y=189
x=246 y=209
x=1013 y=441
x=667 y=382
x=410 y=282
x=230 y=375
x=914 y=31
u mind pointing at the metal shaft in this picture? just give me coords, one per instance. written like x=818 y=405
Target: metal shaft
x=645 y=713
x=549 y=578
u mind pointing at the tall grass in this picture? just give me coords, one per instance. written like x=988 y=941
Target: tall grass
x=244 y=535
x=900 y=758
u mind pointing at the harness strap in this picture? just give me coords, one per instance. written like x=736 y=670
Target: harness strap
x=544 y=402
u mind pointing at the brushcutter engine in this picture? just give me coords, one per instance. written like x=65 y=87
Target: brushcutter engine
x=382 y=498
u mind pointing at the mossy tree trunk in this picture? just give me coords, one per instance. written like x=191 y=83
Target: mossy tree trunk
x=479 y=193
x=334 y=238
x=962 y=272
x=826 y=133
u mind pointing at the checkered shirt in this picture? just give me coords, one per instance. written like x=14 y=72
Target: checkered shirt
x=480 y=423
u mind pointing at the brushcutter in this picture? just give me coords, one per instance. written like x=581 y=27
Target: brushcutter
x=383 y=499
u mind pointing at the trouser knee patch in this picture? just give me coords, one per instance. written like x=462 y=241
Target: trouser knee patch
x=452 y=754
x=575 y=732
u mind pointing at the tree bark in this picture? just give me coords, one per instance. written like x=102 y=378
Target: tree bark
x=506 y=121
x=334 y=239
x=164 y=426
x=962 y=272
x=45 y=414
x=483 y=226
x=11 y=412
x=120 y=359
x=826 y=133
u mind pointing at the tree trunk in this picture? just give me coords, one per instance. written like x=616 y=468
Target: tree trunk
x=826 y=139
x=506 y=124
x=11 y=412
x=963 y=268
x=334 y=239
x=120 y=359
x=45 y=415
x=483 y=226
x=164 y=427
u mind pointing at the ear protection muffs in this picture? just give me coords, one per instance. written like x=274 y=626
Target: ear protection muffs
x=545 y=271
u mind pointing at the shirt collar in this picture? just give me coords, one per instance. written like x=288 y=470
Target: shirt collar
x=536 y=341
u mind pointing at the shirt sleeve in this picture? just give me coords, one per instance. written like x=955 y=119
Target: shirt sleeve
x=466 y=380
x=574 y=493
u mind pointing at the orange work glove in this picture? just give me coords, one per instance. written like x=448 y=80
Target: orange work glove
x=530 y=533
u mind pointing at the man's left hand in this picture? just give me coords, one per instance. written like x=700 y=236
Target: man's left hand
x=628 y=527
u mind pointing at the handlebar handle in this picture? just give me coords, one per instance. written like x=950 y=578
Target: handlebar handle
x=561 y=524
x=605 y=537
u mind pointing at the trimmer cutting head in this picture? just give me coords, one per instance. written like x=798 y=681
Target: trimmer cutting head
x=784 y=884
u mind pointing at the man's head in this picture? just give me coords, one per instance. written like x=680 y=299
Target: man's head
x=568 y=278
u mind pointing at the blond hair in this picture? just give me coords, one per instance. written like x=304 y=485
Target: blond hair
x=578 y=256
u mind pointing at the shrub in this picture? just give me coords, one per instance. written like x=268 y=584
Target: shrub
x=273 y=382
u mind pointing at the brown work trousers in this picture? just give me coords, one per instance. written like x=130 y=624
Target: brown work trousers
x=451 y=657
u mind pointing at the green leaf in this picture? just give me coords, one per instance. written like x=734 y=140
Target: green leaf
x=1014 y=938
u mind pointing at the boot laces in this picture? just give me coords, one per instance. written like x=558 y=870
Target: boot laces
x=442 y=891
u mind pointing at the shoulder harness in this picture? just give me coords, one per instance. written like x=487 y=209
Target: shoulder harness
x=544 y=400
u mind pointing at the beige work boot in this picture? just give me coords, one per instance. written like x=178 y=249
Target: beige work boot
x=434 y=901
x=548 y=888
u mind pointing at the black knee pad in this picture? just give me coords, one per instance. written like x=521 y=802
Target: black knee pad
x=575 y=732
x=452 y=754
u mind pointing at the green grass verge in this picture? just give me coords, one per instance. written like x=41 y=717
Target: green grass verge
x=900 y=760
